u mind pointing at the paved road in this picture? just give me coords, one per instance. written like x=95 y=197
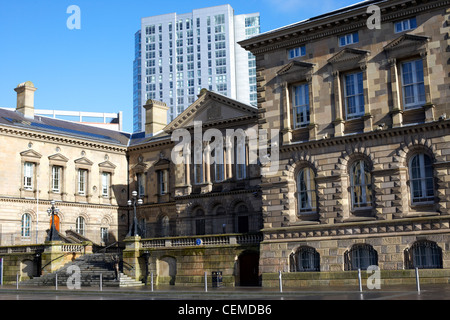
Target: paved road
x=428 y=292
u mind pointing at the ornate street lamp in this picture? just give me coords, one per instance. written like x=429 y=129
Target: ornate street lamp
x=134 y=230
x=53 y=234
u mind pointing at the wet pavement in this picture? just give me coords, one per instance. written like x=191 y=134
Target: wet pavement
x=405 y=292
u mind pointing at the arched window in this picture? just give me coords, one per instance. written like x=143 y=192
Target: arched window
x=421 y=178
x=306 y=191
x=360 y=256
x=423 y=254
x=26 y=225
x=80 y=226
x=305 y=259
x=360 y=185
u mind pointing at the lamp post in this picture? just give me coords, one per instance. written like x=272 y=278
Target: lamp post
x=53 y=234
x=134 y=230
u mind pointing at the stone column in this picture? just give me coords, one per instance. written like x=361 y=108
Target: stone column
x=396 y=112
x=339 y=120
x=286 y=107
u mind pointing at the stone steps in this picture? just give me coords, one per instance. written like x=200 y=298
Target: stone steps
x=91 y=267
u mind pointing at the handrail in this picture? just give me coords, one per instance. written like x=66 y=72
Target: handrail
x=65 y=254
x=105 y=248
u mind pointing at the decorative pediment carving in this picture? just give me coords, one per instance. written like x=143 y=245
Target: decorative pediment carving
x=295 y=66
x=406 y=45
x=58 y=157
x=84 y=161
x=349 y=55
x=139 y=167
x=31 y=154
x=406 y=40
x=211 y=108
x=107 y=165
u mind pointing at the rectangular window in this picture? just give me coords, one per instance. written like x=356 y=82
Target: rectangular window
x=354 y=95
x=405 y=25
x=140 y=178
x=297 y=52
x=348 y=39
x=82 y=181
x=104 y=235
x=163 y=182
x=301 y=106
x=413 y=86
x=56 y=179
x=106 y=180
x=28 y=173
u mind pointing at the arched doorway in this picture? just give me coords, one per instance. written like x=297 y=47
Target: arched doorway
x=248 y=268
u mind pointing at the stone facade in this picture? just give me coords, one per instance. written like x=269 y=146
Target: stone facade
x=48 y=145
x=385 y=136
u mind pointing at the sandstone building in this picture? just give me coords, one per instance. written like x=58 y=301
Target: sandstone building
x=364 y=157
x=362 y=179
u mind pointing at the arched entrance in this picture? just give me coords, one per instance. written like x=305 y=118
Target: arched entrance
x=248 y=268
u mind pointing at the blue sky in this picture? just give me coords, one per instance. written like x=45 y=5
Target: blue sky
x=91 y=69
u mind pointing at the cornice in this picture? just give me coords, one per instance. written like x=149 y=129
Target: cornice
x=39 y=136
x=364 y=137
x=336 y=24
x=59 y=203
x=376 y=228
x=215 y=194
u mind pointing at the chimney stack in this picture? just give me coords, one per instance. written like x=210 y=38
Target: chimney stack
x=25 y=99
x=155 y=117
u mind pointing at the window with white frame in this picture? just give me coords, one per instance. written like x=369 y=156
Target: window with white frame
x=82 y=181
x=301 y=106
x=297 y=52
x=56 y=178
x=354 y=95
x=306 y=191
x=404 y=25
x=348 y=39
x=28 y=175
x=26 y=225
x=413 y=86
x=421 y=178
x=106 y=183
x=360 y=185
x=104 y=234
x=80 y=226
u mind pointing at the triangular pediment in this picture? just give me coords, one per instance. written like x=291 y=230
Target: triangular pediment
x=107 y=164
x=212 y=108
x=295 y=66
x=406 y=40
x=349 y=54
x=58 y=157
x=31 y=154
x=139 y=167
x=84 y=161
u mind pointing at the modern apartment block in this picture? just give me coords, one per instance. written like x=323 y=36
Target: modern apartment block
x=177 y=55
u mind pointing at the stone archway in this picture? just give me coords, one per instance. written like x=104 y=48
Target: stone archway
x=167 y=270
x=248 y=269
